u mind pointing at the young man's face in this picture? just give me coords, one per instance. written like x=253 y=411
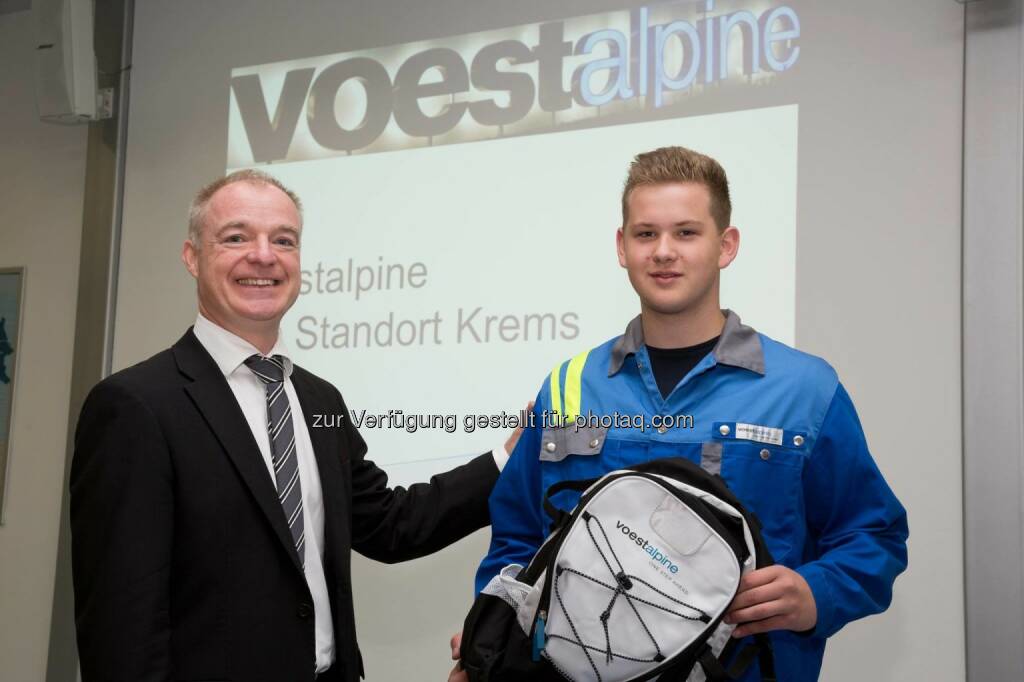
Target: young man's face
x=672 y=249
x=247 y=262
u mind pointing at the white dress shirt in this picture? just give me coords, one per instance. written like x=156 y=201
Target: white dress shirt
x=229 y=352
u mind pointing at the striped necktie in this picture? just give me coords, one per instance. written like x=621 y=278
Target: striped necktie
x=282 y=444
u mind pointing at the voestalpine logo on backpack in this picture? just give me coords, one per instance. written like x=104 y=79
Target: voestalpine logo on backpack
x=631 y=585
x=655 y=553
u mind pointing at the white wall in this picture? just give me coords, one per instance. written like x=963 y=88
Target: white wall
x=878 y=295
x=43 y=175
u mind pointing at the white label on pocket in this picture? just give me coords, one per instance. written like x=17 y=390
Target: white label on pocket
x=762 y=434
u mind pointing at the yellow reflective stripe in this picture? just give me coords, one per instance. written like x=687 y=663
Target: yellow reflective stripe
x=573 y=390
x=556 y=391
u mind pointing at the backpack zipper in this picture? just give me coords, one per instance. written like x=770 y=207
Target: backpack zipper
x=538 y=634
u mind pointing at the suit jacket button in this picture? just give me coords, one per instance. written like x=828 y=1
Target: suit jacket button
x=305 y=611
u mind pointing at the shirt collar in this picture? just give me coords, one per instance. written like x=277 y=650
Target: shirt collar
x=739 y=345
x=230 y=351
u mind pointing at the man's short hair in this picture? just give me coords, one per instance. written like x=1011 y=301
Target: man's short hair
x=679 y=164
x=197 y=211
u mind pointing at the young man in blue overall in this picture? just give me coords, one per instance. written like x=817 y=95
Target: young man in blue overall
x=773 y=421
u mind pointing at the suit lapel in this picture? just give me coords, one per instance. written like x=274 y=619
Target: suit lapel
x=326 y=448
x=213 y=397
x=325 y=445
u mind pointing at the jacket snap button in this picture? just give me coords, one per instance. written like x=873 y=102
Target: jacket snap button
x=305 y=610
x=724 y=429
x=550 y=447
x=798 y=440
x=594 y=443
x=662 y=429
x=765 y=454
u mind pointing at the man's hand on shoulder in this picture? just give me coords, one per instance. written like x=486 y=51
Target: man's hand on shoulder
x=510 y=444
x=772 y=598
x=501 y=458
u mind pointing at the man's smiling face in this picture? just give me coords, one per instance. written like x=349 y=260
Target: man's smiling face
x=247 y=261
x=672 y=248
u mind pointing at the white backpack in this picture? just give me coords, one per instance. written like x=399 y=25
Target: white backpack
x=631 y=585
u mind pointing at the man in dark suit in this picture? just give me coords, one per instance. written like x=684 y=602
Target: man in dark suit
x=212 y=523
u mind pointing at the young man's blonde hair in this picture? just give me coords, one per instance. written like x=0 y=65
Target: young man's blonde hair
x=197 y=211
x=679 y=164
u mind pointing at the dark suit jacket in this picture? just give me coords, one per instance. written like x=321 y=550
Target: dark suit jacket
x=184 y=568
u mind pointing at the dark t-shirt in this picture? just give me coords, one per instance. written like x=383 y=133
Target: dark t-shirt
x=670 y=365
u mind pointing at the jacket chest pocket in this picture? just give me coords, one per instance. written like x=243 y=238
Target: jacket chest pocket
x=767 y=479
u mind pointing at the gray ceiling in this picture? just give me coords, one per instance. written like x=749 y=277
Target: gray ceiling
x=8 y=6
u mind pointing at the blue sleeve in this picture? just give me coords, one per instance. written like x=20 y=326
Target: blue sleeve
x=858 y=529
x=517 y=517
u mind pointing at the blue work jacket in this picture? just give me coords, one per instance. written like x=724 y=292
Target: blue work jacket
x=773 y=421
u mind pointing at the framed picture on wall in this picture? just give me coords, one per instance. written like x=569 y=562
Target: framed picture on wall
x=12 y=286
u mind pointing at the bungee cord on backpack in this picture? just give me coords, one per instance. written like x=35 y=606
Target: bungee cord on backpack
x=623 y=584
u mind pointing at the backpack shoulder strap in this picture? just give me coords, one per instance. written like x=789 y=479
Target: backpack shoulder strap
x=554 y=513
x=761 y=650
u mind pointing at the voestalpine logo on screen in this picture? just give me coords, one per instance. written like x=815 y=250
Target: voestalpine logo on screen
x=601 y=69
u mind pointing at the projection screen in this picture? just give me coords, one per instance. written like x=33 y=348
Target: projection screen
x=461 y=166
